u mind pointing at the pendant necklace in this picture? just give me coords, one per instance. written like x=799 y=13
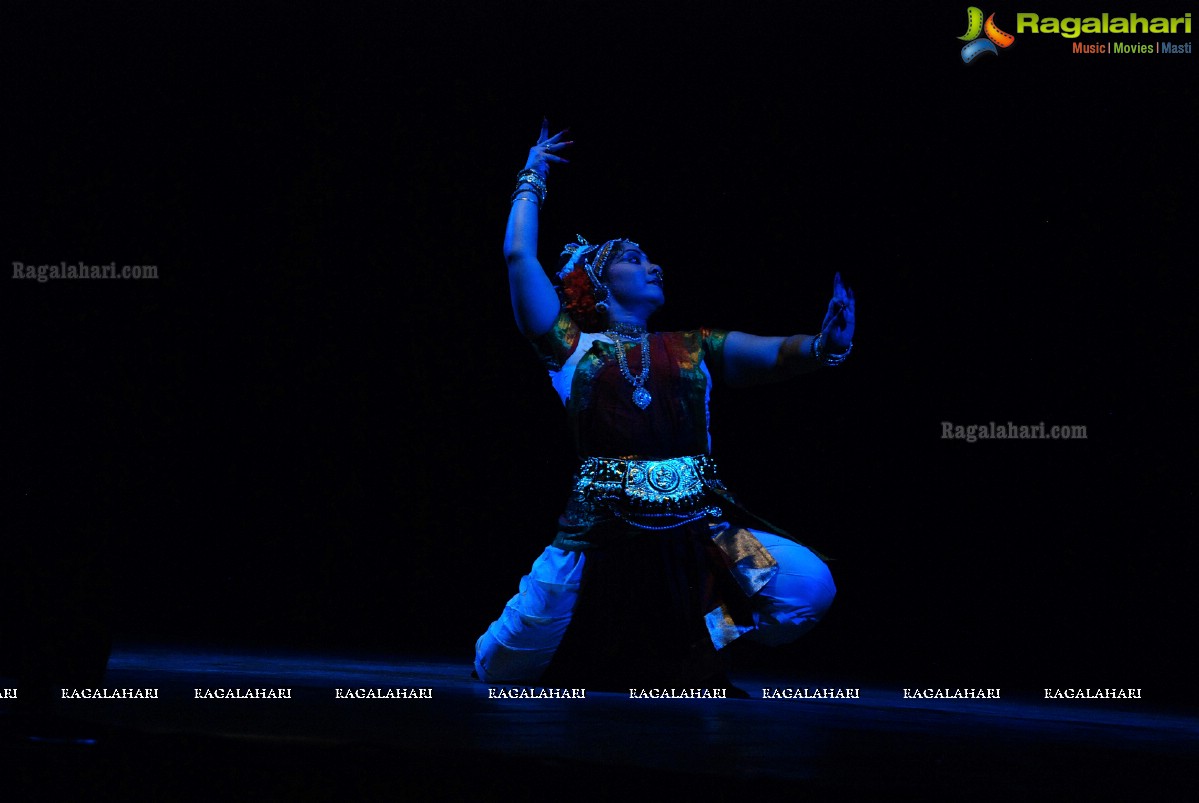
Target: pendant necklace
x=641 y=396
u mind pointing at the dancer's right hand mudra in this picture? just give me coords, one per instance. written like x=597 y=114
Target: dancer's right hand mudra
x=546 y=150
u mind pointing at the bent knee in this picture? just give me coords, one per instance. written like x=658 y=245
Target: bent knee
x=799 y=599
x=803 y=585
x=818 y=590
x=793 y=601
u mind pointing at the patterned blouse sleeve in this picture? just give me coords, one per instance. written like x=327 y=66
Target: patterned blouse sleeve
x=712 y=341
x=556 y=345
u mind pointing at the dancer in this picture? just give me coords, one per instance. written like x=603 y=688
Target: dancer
x=655 y=566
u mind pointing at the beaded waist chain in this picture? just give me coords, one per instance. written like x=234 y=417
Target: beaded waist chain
x=670 y=491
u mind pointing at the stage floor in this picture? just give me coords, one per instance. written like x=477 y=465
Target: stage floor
x=460 y=743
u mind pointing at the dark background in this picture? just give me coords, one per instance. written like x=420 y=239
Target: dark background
x=319 y=427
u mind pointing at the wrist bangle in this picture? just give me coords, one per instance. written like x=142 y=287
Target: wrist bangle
x=530 y=174
x=528 y=185
x=832 y=359
x=829 y=358
x=521 y=192
x=534 y=178
x=523 y=198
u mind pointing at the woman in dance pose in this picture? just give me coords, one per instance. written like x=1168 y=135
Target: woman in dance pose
x=655 y=566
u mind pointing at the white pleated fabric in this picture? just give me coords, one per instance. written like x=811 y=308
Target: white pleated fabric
x=517 y=647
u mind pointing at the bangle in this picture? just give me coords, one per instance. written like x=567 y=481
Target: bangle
x=523 y=198
x=530 y=175
x=531 y=178
x=532 y=190
x=534 y=178
x=528 y=184
x=829 y=358
x=521 y=192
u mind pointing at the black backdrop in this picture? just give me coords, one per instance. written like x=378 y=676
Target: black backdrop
x=319 y=428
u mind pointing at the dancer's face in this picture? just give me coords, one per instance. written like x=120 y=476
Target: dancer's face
x=633 y=279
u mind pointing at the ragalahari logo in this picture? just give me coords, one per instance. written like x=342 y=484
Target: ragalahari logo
x=975 y=46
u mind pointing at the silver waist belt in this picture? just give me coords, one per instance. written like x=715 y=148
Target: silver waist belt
x=672 y=486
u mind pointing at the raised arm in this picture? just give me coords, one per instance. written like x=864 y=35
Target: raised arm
x=534 y=301
x=753 y=360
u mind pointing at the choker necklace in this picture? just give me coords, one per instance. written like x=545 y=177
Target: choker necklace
x=627 y=329
x=641 y=396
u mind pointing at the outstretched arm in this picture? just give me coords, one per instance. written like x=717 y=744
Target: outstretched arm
x=534 y=301
x=753 y=360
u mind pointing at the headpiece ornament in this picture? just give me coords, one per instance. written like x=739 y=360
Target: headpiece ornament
x=594 y=268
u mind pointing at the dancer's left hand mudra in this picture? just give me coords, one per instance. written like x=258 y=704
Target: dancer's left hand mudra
x=839 y=319
x=750 y=359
